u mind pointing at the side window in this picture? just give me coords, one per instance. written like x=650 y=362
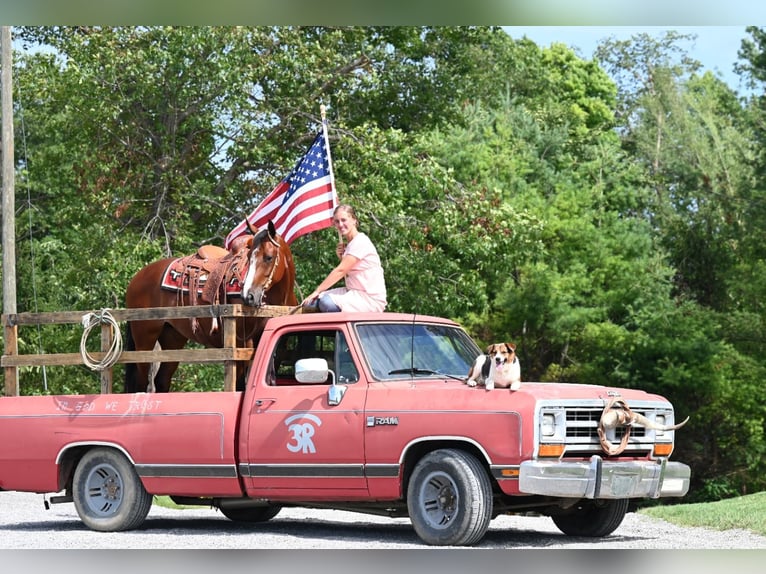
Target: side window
x=346 y=371
x=327 y=344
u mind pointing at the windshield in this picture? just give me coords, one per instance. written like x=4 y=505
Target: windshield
x=405 y=350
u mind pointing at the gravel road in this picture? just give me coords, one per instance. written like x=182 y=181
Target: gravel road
x=26 y=524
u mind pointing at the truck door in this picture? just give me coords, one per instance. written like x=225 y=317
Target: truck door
x=297 y=443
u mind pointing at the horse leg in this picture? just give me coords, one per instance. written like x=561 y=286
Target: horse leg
x=131 y=372
x=141 y=336
x=169 y=339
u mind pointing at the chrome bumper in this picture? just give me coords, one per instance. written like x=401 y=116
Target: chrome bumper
x=604 y=479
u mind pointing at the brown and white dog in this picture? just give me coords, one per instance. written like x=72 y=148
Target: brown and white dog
x=498 y=367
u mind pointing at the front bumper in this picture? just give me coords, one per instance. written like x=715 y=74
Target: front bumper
x=604 y=479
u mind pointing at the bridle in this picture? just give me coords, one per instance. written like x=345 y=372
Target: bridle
x=270 y=278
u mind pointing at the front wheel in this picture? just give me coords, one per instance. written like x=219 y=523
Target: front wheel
x=449 y=498
x=593 y=518
x=108 y=494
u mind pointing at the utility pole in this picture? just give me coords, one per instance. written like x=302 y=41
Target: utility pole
x=9 y=208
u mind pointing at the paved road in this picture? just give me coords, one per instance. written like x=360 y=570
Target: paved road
x=26 y=524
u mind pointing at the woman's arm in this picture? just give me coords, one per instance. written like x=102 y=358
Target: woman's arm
x=338 y=273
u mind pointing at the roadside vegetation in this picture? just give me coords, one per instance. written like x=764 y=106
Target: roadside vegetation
x=746 y=512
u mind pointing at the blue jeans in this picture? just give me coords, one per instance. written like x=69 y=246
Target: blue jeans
x=325 y=304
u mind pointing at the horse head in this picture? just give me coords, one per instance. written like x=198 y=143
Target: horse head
x=270 y=276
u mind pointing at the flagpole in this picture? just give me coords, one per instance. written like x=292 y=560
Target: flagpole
x=323 y=111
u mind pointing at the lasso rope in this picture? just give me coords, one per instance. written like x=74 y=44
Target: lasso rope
x=89 y=321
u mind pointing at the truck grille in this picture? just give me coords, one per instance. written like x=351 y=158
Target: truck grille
x=583 y=423
x=581 y=419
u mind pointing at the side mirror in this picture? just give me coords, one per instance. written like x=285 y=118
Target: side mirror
x=312 y=371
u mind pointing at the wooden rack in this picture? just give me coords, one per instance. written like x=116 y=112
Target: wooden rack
x=229 y=353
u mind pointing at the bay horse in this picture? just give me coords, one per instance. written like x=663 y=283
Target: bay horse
x=261 y=263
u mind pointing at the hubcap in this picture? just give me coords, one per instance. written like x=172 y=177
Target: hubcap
x=439 y=499
x=105 y=490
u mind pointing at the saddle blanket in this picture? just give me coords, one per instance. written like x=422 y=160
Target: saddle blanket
x=176 y=278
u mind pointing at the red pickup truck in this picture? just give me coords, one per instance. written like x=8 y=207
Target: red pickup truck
x=353 y=411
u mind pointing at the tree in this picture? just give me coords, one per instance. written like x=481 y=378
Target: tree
x=696 y=140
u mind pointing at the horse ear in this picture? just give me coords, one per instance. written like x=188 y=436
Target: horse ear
x=272 y=230
x=252 y=229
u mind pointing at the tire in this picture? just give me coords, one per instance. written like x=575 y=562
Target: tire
x=107 y=492
x=449 y=498
x=251 y=514
x=591 y=518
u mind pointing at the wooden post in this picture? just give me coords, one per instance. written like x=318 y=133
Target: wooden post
x=229 y=341
x=106 y=342
x=11 y=334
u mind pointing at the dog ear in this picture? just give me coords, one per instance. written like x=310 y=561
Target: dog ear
x=490 y=349
x=511 y=347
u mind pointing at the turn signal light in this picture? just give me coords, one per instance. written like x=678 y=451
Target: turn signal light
x=663 y=449
x=551 y=450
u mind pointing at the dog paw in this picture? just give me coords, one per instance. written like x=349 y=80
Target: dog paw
x=490 y=385
x=516 y=386
x=470 y=383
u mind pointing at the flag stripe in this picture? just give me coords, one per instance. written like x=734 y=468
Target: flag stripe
x=295 y=205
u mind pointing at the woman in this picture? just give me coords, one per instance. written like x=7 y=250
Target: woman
x=359 y=265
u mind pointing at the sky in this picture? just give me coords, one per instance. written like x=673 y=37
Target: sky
x=715 y=46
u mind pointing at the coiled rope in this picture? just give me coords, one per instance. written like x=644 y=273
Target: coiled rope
x=90 y=320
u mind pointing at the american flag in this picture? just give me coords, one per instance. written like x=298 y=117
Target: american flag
x=302 y=202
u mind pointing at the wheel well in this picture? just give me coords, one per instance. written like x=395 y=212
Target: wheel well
x=418 y=450
x=70 y=457
x=67 y=463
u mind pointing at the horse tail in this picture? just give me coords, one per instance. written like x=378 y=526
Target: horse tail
x=131 y=373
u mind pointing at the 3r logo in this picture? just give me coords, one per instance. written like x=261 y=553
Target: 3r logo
x=302 y=432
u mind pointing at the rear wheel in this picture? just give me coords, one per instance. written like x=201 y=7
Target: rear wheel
x=251 y=514
x=449 y=498
x=108 y=494
x=594 y=518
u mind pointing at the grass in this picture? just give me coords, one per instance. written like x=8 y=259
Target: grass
x=744 y=512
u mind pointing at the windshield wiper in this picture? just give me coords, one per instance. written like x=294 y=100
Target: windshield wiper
x=416 y=371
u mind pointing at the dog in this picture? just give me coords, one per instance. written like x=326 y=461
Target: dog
x=499 y=366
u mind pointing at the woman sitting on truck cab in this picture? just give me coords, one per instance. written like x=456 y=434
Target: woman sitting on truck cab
x=365 y=285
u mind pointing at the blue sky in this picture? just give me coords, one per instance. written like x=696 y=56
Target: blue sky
x=716 y=46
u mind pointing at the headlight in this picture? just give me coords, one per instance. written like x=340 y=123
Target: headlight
x=660 y=420
x=552 y=425
x=548 y=425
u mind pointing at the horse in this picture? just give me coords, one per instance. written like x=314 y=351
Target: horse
x=260 y=262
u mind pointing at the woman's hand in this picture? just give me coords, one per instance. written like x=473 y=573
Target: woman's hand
x=339 y=249
x=310 y=299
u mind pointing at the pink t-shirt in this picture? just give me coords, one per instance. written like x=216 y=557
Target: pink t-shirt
x=365 y=288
